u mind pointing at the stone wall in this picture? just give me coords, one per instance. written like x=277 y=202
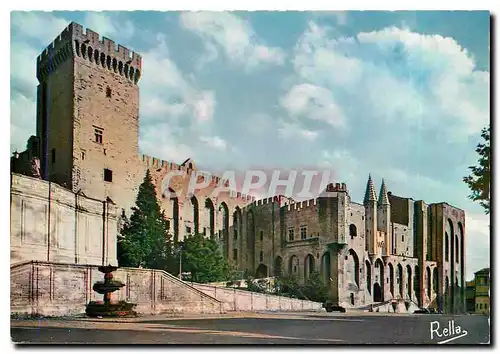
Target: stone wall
x=52 y=224
x=241 y=300
x=58 y=289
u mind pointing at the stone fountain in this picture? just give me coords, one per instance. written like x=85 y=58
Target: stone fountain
x=106 y=308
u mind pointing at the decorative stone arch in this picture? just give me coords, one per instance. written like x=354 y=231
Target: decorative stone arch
x=447 y=292
x=308 y=265
x=326 y=266
x=96 y=56
x=115 y=65
x=378 y=285
x=409 y=280
x=435 y=281
x=196 y=213
x=137 y=76
x=448 y=235
x=237 y=223
x=261 y=271
x=77 y=48
x=90 y=53
x=293 y=265
x=428 y=282
x=103 y=60
x=391 y=280
x=278 y=266
x=108 y=62
x=368 y=269
x=462 y=264
x=125 y=70
x=353 y=232
x=84 y=50
x=175 y=213
x=353 y=266
x=250 y=230
x=120 y=67
x=224 y=235
x=416 y=284
x=211 y=216
x=131 y=73
x=399 y=276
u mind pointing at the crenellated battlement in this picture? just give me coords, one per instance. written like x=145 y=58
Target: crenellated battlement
x=155 y=163
x=302 y=205
x=77 y=41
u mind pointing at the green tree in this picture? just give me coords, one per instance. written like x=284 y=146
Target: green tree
x=202 y=258
x=144 y=239
x=479 y=179
x=315 y=289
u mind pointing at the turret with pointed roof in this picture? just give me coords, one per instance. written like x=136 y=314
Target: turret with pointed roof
x=383 y=198
x=384 y=217
x=370 y=195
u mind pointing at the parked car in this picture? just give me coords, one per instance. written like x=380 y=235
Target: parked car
x=426 y=311
x=330 y=307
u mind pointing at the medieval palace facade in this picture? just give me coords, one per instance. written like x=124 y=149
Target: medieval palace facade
x=387 y=248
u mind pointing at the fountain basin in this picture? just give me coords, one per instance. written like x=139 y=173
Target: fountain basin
x=101 y=309
x=107 y=286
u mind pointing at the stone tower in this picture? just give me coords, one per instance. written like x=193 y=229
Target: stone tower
x=370 y=203
x=88 y=115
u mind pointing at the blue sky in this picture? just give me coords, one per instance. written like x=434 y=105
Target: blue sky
x=400 y=95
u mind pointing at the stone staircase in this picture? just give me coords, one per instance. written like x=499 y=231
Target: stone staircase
x=59 y=289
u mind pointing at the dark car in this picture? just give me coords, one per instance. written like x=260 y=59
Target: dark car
x=424 y=311
x=330 y=307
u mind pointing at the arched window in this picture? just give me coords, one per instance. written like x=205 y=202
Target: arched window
x=90 y=52
x=352 y=231
x=84 y=51
x=77 y=48
x=446 y=248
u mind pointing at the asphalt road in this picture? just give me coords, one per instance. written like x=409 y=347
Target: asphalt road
x=309 y=329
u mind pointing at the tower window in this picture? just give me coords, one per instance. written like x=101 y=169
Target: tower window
x=290 y=234
x=303 y=232
x=108 y=91
x=235 y=254
x=98 y=136
x=108 y=175
x=261 y=235
x=53 y=155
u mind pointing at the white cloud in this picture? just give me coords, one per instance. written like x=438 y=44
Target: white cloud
x=398 y=75
x=41 y=26
x=214 y=142
x=163 y=141
x=315 y=103
x=293 y=130
x=168 y=94
x=22 y=122
x=23 y=67
x=477 y=243
x=234 y=36
x=108 y=27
